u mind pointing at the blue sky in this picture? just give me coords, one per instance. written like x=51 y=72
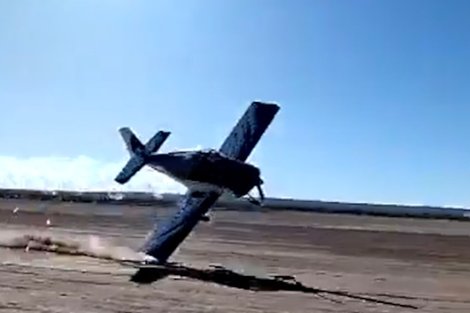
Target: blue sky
x=375 y=95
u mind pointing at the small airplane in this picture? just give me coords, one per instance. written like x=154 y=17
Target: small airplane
x=207 y=174
x=221 y=171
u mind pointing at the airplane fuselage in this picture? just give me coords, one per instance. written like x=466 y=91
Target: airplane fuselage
x=207 y=171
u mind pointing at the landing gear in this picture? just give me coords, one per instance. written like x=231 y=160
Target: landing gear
x=253 y=201
x=259 y=202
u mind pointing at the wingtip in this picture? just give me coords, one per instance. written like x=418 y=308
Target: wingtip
x=273 y=105
x=120 y=180
x=124 y=128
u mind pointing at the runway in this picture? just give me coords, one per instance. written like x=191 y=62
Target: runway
x=419 y=262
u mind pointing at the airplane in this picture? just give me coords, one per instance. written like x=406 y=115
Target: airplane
x=207 y=174
x=221 y=171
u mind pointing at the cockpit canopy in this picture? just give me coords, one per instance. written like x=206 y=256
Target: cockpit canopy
x=207 y=152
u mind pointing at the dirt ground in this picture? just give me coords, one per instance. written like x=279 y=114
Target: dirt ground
x=419 y=262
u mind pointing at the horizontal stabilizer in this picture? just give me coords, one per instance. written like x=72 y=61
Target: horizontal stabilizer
x=156 y=142
x=249 y=129
x=132 y=166
x=133 y=143
x=138 y=152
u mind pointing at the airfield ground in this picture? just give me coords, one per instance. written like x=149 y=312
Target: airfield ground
x=420 y=262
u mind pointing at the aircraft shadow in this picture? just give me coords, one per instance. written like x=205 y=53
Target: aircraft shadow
x=147 y=274
x=229 y=278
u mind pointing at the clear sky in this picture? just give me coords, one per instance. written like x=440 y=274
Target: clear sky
x=374 y=95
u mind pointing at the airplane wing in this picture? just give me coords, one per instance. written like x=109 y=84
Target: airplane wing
x=164 y=239
x=248 y=131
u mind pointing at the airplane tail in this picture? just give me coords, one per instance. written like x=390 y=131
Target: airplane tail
x=138 y=152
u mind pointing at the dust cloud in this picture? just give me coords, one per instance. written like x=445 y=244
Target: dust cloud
x=91 y=246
